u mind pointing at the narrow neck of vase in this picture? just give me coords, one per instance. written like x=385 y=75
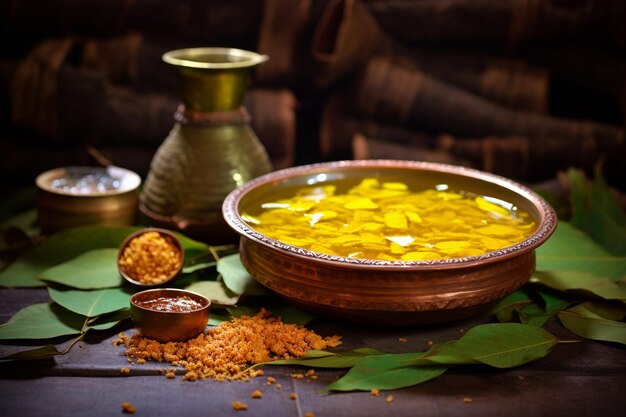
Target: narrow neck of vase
x=213 y=79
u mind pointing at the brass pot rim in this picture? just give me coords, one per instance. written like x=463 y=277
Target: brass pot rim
x=547 y=218
x=184 y=58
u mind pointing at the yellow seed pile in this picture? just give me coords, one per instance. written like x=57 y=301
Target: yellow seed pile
x=150 y=258
x=224 y=352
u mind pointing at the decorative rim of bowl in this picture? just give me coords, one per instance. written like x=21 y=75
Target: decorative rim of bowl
x=547 y=221
x=130 y=180
x=246 y=58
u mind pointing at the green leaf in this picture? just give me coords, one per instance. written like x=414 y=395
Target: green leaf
x=58 y=248
x=548 y=303
x=237 y=278
x=382 y=372
x=218 y=316
x=579 y=197
x=108 y=321
x=577 y=281
x=569 y=249
x=505 y=311
x=197 y=267
x=43 y=352
x=323 y=359
x=91 y=270
x=585 y=323
x=596 y=211
x=215 y=291
x=91 y=303
x=42 y=321
x=193 y=249
x=503 y=345
x=610 y=310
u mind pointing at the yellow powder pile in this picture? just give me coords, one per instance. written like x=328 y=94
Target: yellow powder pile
x=225 y=351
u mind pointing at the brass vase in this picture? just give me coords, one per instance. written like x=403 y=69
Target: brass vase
x=211 y=150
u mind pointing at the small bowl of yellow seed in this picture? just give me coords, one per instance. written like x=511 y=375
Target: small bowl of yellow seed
x=150 y=257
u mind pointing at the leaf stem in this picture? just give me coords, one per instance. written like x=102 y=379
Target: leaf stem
x=71 y=345
x=568 y=341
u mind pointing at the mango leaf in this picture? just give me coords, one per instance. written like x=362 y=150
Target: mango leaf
x=569 y=249
x=585 y=323
x=42 y=321
x=382 y=372
x=43 y=352
x=579 y=196
x=197 y=267
x=91 y=270
x=215 y=291
x=58 y=248
x=108 y=321
x=611 y=310
x=548 y=304
x=502 y=345
x=324 y=359
x=193 y=249
x=91 y=303
x=237 y=278
x=597 y=213
x=580 y=281
x=218 y=316
x=506 y=309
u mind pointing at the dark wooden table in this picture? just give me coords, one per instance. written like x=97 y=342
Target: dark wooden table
x=575 y=379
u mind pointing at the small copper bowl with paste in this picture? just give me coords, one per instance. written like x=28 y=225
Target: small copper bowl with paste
x=155 y=258
x=169 y=314
x=379 y=291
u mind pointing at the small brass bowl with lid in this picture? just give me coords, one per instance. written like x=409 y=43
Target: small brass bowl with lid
x=83 y=195
x=169 y=314
x=151 y=257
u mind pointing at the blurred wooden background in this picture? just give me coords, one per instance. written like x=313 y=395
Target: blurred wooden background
x=521 y=88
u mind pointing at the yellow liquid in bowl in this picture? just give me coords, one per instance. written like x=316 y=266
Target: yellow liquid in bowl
x=388 y=221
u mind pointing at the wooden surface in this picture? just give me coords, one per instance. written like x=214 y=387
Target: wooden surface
x=575 y=379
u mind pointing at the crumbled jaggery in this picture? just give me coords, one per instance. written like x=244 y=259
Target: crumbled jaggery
x=150 y=258
x=309 y=414
x=239 y=406
x=256 y=394
x=125 y=371
x=226 y=351
x=270 y=380
x=389 y=398
x=128 y=408
x=375 y=392
x=293 y=396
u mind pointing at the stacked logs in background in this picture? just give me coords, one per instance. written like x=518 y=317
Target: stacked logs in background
x=522 y=89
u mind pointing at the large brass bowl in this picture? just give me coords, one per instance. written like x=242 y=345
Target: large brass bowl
x=387 y=292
